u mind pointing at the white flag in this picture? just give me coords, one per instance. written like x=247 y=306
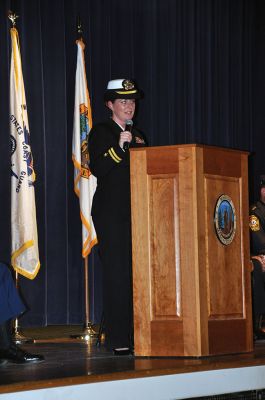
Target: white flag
x=84 y=182
x=24 y=236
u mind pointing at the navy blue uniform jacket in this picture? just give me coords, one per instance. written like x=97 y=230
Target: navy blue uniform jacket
x=110 y=164
x=10 y=303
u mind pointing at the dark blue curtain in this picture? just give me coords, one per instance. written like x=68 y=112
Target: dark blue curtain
x=201 y=67
x=257 y=159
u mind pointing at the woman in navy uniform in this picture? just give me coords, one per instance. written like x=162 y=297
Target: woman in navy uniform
x=111 y=211
x=257 y=245
x=11 y=307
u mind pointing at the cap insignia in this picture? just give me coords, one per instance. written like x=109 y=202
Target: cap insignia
x=127 y=84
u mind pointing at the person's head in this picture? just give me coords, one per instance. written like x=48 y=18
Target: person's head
x=120 y=98
x=262 y=188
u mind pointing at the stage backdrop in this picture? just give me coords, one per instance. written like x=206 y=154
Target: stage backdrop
x=201 y=67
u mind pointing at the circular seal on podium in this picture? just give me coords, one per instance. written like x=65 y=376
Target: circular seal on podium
x=225 y=219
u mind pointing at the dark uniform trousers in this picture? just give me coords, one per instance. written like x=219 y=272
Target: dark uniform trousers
x=114 y=239
x=10 y=304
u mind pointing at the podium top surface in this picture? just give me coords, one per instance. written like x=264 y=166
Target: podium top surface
x=196 y=145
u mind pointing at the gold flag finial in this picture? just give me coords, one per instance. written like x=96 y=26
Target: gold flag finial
x=79 y=28
x=12 y=16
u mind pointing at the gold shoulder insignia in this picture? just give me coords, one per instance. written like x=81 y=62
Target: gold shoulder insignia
x=254 y=223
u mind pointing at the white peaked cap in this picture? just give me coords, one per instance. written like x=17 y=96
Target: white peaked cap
x=121 y=89
x=115 y=84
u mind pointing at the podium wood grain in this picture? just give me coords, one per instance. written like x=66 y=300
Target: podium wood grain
x=192 y=294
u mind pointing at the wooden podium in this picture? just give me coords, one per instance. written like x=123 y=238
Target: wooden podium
x=192 y=292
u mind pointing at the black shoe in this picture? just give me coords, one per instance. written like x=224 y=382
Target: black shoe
x=122 y=351
x=19 y=356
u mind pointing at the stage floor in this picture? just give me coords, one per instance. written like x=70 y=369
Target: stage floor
x=72 y=362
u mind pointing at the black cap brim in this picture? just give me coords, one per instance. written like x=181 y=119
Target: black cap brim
x=122 y=94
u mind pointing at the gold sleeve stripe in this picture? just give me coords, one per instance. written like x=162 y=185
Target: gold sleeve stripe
x=113 y=155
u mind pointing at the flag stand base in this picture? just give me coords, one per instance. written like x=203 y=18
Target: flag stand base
x=88 y=333
x=19 y=338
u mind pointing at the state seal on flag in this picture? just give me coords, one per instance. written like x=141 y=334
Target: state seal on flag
x=225 y=219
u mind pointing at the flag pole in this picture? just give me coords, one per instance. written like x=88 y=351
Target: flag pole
x=17 y=336
x=88 y=332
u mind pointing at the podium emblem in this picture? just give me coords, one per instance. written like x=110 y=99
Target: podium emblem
x=225 y=219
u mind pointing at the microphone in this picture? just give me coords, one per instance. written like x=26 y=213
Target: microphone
x=128 y=127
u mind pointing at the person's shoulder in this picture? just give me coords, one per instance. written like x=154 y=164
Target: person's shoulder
x=254 y=210
x=97 y=128
x=257 y=209
x=253 y=207
x=100 y=125
x=259 y=206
